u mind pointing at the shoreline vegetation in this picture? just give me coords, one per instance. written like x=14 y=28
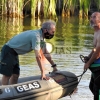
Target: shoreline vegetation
x=48 y=8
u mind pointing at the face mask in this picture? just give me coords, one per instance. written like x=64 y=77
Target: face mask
x=47 y=35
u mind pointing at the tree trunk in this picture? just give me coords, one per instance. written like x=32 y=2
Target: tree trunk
x=14 y=8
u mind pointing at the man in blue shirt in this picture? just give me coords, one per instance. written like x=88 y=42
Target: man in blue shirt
x=24 y=43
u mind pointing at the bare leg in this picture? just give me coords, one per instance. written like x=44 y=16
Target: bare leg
x=14 y=79
x=5 y=80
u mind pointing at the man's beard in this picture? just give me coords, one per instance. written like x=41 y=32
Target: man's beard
x=92 y=24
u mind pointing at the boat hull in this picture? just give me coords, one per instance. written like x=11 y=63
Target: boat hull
x=60 y=84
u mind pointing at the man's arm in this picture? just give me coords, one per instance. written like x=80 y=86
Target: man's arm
x=49 y=58
x=94 y=55
x=86 y=58
x=39 y=61
x=89 y=56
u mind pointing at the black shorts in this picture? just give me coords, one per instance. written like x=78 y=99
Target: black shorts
x=95 y=85
x=9 y=61
x=94 y=69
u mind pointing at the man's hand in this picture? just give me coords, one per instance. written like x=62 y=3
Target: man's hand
x=54 y=69
x=86 y=58
x=86 y=66
x=44 y=77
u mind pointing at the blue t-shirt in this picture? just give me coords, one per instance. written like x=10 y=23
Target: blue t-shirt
x=27 y=41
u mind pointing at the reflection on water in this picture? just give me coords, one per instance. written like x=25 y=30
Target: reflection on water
x=72 y=38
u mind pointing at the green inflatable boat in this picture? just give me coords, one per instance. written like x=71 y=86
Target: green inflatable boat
x=60 y=84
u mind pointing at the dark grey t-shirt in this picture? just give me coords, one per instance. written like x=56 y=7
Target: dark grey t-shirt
x=27 y=41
